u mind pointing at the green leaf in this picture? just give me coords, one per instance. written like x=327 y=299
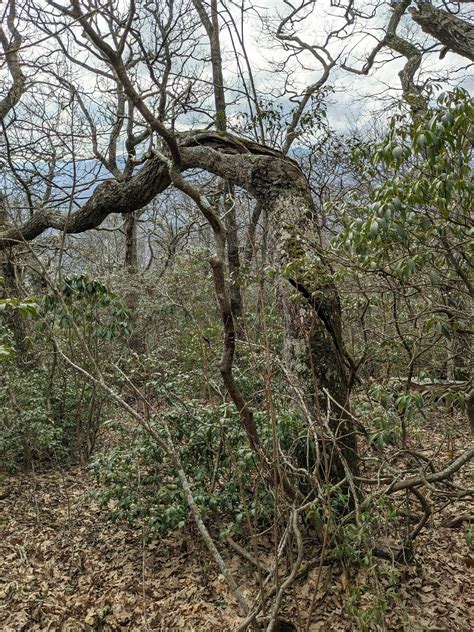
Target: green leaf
x=397 y=153
x=402 y=233
x=374 y=228
x=421 y=140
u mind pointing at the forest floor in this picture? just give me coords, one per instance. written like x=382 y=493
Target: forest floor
x=63 y=566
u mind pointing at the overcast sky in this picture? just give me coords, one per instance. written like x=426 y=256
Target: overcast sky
x=350 y=102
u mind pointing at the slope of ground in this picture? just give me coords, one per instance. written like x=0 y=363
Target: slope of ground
x=64 y=567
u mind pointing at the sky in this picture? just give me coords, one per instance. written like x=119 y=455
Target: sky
x=350 y=102
x=355 y=100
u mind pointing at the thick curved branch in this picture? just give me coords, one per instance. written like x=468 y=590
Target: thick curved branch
x=456 y=34
x=275 y=180
x=109 y=197
x=411 y=91
x=222 y=154
x=435 y=477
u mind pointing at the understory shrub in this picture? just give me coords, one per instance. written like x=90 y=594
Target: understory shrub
x=51 y=413
x=139 y=484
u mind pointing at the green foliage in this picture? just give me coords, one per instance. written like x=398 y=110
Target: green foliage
x=368 y=606
x=50 y=413
x=390 y=406
x=354 y=542
x=46 y=417
x=275 y=118
x=139 y=485
x=27 y=308
x=89 y=304
x=27 y=428
x=378 y=415
x=403 y=251
x=423 y=194
x=375 y=586
x=469 y=537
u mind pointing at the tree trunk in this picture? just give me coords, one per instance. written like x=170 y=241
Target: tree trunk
x=10 y=289
x=313 y=346
x=211 y=24
x=470 y=410
x=130 y=226
x=233 y=258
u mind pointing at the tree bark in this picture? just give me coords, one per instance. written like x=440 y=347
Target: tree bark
x=470 y=410
x=10 y=43
x=456 y=34
x=131 y=255
x=10 y=289
x=314 y=350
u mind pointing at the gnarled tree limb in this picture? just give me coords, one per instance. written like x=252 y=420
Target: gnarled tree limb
x=10 y=48
x=435 y=477
x=456 y=34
